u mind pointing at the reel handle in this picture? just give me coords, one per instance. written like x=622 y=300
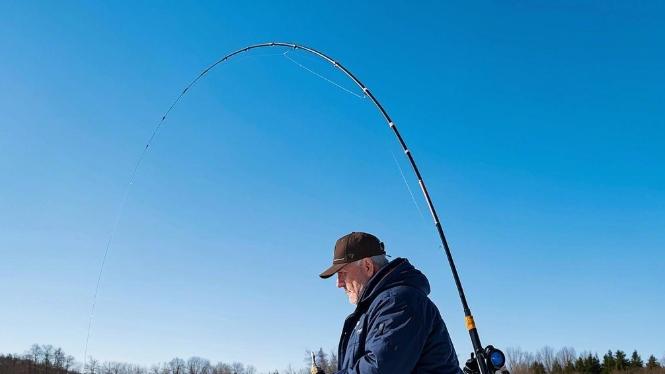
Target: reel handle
x=488 y=361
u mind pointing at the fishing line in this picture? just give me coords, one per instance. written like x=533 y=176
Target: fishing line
x=144 y=152
x=110 y=240
x=322 y=77
x=413 y=197
x=130 y=183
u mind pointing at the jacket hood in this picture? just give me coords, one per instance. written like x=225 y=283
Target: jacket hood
x=399 y=272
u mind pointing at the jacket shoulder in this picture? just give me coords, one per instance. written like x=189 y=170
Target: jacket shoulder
x=400 y=297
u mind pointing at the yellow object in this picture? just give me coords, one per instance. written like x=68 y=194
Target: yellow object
x=470 y=324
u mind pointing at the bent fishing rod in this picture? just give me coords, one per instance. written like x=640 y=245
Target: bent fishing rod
x=489 y=359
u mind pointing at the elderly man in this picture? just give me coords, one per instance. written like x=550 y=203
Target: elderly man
x=395 y=327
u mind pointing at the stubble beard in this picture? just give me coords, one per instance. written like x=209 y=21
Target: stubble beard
x=354 y=296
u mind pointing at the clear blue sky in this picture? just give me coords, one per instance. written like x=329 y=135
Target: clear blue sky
x=540 y=129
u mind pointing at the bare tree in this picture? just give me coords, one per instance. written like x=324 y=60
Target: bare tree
x=222 y=368
x=119 y=368
x=195 y=365
x=566 y=358
x=91 y=367
x=105 y=368
x=238 y=368
x=177 y=366
x=137 y=369
x=58 y=358
x=546 y=357
x=332 y=363
x=48 y=356
x=70 y=363
x=519 y=361
x=35 y=353
x=207 y=367
x=289 y=370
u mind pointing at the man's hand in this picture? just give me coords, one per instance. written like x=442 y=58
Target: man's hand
x=315 y=368
x=471 y=366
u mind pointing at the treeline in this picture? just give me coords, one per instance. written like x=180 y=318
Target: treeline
x=39 y=359
x=567 y=361
x=46 y=359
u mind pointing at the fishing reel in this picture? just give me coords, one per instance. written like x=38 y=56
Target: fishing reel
x=490 y=358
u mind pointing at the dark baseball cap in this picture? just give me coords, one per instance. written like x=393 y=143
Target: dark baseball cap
x=353 y=247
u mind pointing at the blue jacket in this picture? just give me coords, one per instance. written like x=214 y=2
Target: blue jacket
x=396 y=328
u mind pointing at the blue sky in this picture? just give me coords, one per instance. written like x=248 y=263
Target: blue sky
x=538 y=127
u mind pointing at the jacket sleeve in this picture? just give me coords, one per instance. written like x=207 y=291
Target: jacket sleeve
x=398 y=329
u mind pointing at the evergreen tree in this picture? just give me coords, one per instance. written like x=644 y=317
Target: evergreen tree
x=588 y=363
x=580 y=365
x=652 y=363
x=609 y=363
x=592 y=364
x=636 y=361
x=621 y=361
x=329 y=365
x=322 y=358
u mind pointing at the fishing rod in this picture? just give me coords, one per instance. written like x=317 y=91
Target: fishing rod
x=488 y=359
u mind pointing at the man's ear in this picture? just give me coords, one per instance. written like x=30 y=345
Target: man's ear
x=368 y=266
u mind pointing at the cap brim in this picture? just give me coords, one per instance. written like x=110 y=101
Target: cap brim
x=329 y=272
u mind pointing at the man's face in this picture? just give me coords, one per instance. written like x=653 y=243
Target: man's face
x=353 y=278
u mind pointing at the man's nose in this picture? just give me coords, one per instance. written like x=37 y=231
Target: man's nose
x=340 y=282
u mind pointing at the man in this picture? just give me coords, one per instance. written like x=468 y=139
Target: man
x=395 y=327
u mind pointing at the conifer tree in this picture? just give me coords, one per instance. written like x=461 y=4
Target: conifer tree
x=621 y=361
x=636 y=361
x=580 y=365
x=322 y=359
x=592 y=364
x=652 y=363
x=588 y=363
x=609 y=363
